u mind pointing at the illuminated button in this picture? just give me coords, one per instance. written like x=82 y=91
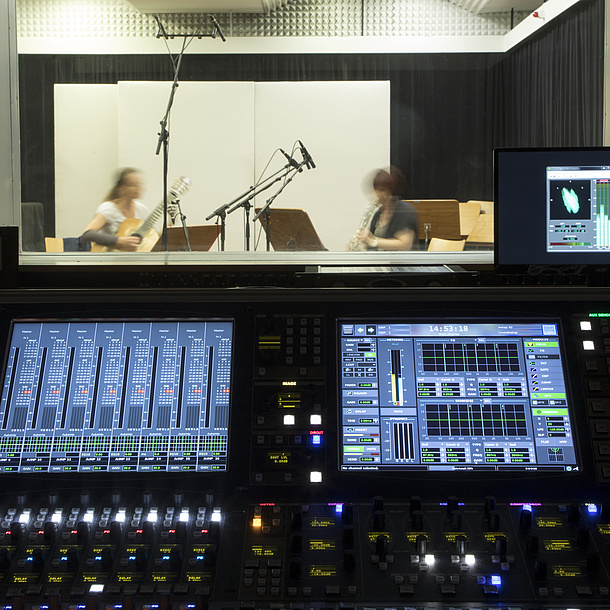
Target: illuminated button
x=315 y=476
x=588 y=345
x=289 y=420
x=25 y=516
x=315 y=419
x=585 y=325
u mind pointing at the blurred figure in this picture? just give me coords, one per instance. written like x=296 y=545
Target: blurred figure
x=394 y=224
x=120 y=204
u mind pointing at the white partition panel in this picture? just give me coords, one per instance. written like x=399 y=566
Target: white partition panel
x=85 y=152
x=222 y=137
x=211 y=142
x=345 y=127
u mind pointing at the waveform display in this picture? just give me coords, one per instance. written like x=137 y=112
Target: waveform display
x=570 y=200
x=487 y=420
x=491 y=357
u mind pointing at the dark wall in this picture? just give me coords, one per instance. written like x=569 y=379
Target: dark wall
x=448 y=111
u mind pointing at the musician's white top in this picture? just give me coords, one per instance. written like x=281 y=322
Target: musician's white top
x=114 y=217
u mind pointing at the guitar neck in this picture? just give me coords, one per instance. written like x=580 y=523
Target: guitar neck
x=151 y=219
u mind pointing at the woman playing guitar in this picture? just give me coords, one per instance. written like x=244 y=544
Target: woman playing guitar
x=121 y=203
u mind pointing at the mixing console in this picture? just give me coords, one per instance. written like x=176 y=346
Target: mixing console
x=460 y=497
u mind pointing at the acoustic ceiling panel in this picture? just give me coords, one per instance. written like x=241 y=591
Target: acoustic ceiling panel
x=207 y=6
x=498 y=6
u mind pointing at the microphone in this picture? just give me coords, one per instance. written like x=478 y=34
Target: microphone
x=291 y=161
x=306 y=156
x=217 y=28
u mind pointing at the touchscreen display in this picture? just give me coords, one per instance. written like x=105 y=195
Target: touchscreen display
x=453 y=395
x=116 y=396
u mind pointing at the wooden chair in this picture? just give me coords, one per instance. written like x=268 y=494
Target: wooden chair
x=482 y=234
x=438 y=218
x=469 y=213
x=446 y=245
x=487 y=207
x=54 y=244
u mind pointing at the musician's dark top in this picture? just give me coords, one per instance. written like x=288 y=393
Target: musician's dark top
x=404 y=217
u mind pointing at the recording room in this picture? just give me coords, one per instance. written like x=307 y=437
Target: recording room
x=304 y=305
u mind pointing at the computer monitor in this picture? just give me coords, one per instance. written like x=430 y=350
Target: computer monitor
x=552 y=206
x=116 y=396
x=484 y=394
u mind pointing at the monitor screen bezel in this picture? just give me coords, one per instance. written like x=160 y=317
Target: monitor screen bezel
x=137 y=477
x=466 y=473
x=513 y=236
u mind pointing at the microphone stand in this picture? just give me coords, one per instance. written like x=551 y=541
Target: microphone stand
x=184 y=228
x=163 y=141
x=266 y=209
x=164 y=133
x=243 y=200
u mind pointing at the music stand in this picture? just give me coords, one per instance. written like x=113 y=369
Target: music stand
x=201 y=237
x=438 y=218
x=292 y=230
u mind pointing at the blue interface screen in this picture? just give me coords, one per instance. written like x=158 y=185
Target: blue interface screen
x=453 y=395
x=116 y=396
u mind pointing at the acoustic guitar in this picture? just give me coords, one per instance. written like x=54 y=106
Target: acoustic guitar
x=144 y=229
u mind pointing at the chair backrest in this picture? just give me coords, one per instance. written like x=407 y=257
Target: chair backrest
x=446 y=245
x=469 y=212
x=482 y=233
x=54 y=244
x=487 y=207
x=438 y=218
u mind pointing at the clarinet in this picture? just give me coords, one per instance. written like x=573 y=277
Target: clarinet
x=355 y=245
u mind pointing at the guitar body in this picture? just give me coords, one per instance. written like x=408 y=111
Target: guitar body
x=128 y=227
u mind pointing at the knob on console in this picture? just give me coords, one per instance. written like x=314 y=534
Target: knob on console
x=347 y=537
x=452 y=504
x=489 y=504
x=379 y=521
x=422 y=545
x=296 y=520
x=417 y=520
x=525 y=519
x=381 y=547
x=377 y=504
x=72 y=561
x=500 y=545
x=415 y=504
x=296 y=543
x=349 y=560
x=532 y=544
x=347 y=513
x=455 y=520
x=493 y=520
x=107 y=559
x=16 y=532
x=49 y=531
x=540 y=570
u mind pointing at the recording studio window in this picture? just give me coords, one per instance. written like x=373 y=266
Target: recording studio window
x=259 y=148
